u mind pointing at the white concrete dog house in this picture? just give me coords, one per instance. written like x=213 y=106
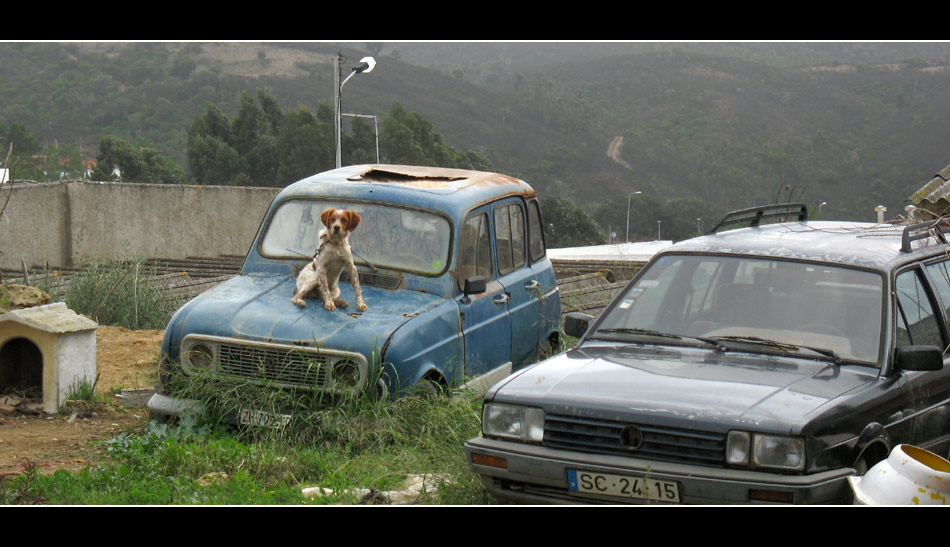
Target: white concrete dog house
x=49 y=347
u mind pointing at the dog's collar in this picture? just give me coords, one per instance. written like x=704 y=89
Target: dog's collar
x=320 y=248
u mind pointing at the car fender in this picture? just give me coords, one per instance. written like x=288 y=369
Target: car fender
x=874 y=442
x=427 y=343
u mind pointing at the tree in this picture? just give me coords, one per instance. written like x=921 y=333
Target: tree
x=409 y=138
x=305 y=146
x=567 y=225
x=135 y=163
x=211 y=158
x=24 y=145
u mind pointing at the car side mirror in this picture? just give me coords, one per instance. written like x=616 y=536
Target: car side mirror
x=473 y=285
x=576 y=324
x=918 y=358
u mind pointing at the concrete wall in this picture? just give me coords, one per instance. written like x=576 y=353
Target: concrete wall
x=61 y=223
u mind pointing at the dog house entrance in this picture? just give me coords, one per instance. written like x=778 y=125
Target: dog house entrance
x=21 y=369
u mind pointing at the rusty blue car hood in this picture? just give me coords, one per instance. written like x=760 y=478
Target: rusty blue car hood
x=258 y=307
x=685 y=387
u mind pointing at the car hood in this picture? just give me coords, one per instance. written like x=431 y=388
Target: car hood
x=258 y=308
x=682 y=387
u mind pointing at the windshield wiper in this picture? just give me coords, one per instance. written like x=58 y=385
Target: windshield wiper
x=788 y=348
x=649 y=332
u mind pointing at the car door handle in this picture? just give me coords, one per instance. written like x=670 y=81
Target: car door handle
x=501 y=299
x=532 y=285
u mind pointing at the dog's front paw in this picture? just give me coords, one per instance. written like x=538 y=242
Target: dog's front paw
x=329 y=305
x=360 y=305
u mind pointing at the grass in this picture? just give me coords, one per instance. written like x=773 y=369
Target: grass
x=121 y=293
x=352 y=444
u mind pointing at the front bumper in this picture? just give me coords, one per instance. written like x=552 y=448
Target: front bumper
x=535 y=474
x=163 y=405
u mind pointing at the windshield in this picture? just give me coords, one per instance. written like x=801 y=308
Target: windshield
x=387 y=236
x=742 y=301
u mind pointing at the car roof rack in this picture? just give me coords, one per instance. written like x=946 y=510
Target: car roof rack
x=755 y=215
x=923 y=230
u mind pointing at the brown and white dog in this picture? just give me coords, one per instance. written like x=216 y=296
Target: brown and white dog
x=322 y=276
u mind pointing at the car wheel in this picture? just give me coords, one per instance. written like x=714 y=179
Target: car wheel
x=861 y=466
x=427 y=387
x=545 y=349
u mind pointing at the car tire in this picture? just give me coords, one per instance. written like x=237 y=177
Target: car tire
x=545 y=350
x=427 y=387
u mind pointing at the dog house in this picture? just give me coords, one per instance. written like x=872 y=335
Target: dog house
x=46 y=352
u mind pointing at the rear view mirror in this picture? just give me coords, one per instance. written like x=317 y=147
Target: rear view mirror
x=473 y=285
x=576 y=324
x=918 y=358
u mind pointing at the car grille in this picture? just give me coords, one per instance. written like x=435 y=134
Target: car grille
x=637 y=440
x=294 y=367
x=287 y=365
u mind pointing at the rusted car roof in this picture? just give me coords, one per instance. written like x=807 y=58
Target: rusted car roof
x=422 y=186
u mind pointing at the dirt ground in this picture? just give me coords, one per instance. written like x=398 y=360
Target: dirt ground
x=124 y=359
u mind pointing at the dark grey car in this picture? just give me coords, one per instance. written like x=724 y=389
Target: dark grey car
x=761 y=364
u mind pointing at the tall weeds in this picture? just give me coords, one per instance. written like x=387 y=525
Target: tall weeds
x=119 y=293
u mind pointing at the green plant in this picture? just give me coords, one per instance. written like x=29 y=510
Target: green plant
x=83 y=390
x=120 y=293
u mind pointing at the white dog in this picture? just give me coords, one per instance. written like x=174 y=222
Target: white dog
x=322 y=276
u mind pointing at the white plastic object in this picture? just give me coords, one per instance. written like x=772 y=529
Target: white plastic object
x=909 y=476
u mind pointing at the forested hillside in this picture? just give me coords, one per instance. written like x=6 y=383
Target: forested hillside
x=698 y=129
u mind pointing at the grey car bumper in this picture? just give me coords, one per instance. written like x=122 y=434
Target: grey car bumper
x=164 y=405
x=534 y=474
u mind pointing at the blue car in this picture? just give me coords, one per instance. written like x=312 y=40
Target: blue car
x=452 y=266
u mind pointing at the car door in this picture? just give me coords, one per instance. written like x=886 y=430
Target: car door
x=486 y=325
x=921 y=320
x=521 y=285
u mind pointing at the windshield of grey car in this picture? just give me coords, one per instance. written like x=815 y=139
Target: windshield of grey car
x=732 y=298
x=387 y=236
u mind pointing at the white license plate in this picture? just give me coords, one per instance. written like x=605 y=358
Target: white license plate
x=622 y=486
x=263 y=419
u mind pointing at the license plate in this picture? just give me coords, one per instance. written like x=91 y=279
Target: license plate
x=622 y=486
x=263 y=419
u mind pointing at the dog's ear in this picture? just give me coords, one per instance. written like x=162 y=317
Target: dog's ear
x=325 y=217
x=352 y=220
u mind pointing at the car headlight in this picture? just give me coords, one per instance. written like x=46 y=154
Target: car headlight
x=513 y=422
x=778 y=452
x=200 y=356
x=772 y=451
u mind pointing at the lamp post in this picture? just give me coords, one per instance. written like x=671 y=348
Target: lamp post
x=627 y=238
x=658 y=238
x=367 y=64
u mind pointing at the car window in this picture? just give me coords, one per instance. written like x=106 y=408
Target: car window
x=509 y=237
x=475 y=249
x=535 y=232
x=916 y=323
x=798 y=303
x=940 y=278
x=387 y=236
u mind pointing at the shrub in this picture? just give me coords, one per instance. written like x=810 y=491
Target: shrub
x=120 y=293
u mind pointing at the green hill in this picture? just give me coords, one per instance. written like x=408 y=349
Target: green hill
x=853 y=125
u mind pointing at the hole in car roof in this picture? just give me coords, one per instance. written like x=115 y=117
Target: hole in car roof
x=409 y=176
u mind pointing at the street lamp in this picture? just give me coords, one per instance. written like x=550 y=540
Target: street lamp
x=628 y=213
x=367 y=64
